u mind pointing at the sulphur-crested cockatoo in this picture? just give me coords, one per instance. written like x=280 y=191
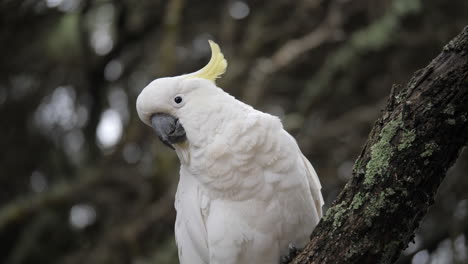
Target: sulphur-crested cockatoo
x=246 y=192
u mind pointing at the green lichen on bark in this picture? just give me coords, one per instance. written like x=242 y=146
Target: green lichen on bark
x=373 y=208
x=353 y=250
x=356 y=248
x=378 y=204
x=357 y=168
x=336 y=213
x=428 y=107
x=451 y=121
x=358 y=201
x=382 y=151
x=463 y=117
x=338 y=217
x=429 y=149
x=449 y=110
x=407 y=139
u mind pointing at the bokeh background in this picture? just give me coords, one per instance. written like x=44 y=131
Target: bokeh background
x=82 y=180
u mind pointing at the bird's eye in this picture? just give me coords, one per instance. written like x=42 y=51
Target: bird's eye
x=178 y=99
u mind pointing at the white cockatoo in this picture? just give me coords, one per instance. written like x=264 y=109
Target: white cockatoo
x=246 y=192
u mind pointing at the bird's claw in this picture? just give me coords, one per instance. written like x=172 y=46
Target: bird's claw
x=293 y=252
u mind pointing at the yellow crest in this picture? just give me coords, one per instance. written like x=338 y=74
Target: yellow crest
x=215 y=67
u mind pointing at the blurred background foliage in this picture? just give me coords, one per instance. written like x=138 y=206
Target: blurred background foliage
x=82 y=180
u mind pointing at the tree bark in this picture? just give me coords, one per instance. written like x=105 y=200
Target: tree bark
x=412 y=145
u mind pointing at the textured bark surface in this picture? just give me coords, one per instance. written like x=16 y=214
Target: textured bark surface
x=419 y=136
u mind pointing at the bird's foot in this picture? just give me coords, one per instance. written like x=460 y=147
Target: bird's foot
x=293 y=252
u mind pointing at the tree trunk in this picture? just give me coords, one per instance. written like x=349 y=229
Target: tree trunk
x=418 y=137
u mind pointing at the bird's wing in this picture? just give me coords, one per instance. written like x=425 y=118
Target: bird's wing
x=190 y=229
x=314 y=185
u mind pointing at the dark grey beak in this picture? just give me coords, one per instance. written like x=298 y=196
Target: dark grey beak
x=168 y=129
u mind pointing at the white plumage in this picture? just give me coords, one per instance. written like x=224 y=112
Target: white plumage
x=246 y=191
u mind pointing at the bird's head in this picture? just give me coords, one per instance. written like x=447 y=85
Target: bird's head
x=166 y=102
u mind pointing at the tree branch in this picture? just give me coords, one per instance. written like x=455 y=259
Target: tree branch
x=418 y=137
